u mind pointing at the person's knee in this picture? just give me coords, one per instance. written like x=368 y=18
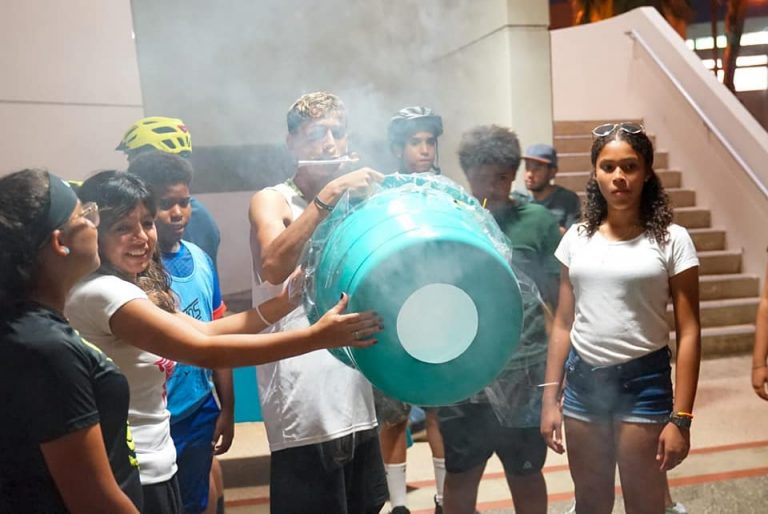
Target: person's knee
x=525 y=477
x=526 y=456
x=395 y=428
x=465 y=477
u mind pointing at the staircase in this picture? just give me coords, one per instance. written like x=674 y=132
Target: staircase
x=728 y=297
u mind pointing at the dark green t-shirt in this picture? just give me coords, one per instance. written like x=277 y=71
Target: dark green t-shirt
x=534 y=235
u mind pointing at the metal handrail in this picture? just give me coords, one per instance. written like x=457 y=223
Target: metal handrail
x=635 y=36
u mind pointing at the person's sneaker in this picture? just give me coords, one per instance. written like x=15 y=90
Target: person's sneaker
x=438 y=507
x=676 y=508
x=400 y=510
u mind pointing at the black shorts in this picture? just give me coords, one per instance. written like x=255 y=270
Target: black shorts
x=163 y=497
x=343 y=476
x=390 y=411
x=472 y=437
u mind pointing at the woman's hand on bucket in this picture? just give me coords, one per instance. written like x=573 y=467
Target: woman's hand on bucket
x=337 y=329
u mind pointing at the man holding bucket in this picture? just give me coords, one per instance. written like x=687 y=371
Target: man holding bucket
x=319 y=413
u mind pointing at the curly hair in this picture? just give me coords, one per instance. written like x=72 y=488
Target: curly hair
x=312 y=106
x=117 y=194
x=655 y=211
x=23 y=204
x=489 y=145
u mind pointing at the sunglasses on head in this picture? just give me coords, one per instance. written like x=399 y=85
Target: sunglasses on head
x=625 y=126
x=165 y=204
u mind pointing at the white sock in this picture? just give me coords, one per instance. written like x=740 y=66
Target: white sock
x=396 y=484
x=439 y=465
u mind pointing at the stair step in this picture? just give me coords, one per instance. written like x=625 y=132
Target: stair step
x=581 y=127
x=678 y=197
x=693 y=217
x=681 y=197
x=722 y=341
x=577 y=180
x=719 y=313
x=719 y=262
x=582 y=162
x=719 y=341
x=720 y=287
x=706 y=239
x=580 y=143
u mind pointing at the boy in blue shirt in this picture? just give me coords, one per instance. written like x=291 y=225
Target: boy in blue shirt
x=198 y=426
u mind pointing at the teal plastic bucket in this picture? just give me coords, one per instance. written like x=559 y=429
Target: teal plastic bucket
x=422 y=258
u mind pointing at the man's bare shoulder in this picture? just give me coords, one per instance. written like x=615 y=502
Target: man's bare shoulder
x=268 y=194
x=268 y=204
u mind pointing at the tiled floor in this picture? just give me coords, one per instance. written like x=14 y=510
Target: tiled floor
x=726 y=472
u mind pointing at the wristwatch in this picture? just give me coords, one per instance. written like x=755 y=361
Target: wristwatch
x=681 y=421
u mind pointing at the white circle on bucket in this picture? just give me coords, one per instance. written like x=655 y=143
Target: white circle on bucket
x=437 y=323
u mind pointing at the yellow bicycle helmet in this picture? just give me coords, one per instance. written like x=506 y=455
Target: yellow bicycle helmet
x=165 y=134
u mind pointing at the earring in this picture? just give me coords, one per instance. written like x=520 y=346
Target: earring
x=65 y=249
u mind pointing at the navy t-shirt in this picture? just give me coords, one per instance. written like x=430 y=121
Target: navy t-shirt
x=565 y=206
x=53 y=383
x=203 y=231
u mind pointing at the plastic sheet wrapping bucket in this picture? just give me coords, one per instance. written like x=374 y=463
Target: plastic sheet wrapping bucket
x=420 y=253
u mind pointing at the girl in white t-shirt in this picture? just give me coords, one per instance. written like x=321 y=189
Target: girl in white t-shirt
x=610 y=336
x=127 y=309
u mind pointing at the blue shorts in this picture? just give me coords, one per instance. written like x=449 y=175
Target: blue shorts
x=637 y=391
x=193 y=436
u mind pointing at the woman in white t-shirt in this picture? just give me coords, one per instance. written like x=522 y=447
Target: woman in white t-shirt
x=127 y=309
x=610 y=336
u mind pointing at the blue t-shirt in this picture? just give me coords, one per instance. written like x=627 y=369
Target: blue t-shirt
x=196 y=285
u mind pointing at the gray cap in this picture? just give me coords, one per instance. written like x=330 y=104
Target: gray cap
x=541 y=153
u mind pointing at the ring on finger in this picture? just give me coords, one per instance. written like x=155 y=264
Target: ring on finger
x=356 y=334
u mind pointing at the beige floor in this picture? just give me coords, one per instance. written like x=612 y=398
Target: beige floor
x=729 y=442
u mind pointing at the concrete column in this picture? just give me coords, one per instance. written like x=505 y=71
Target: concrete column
x=496 y=69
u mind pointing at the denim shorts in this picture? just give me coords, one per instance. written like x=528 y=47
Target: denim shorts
x=637 y=391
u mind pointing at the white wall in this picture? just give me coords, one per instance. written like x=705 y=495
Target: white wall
x=70 y=84
x=599 y=72
x=500 y=74
x=234 y=259
x=232 y=72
